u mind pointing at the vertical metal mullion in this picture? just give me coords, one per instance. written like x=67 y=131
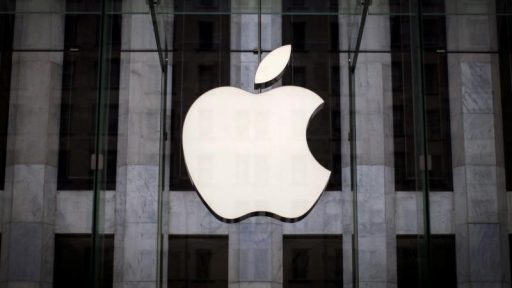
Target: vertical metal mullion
x=161 y=162
x=419 y=106
x=353 y=176
x=100 y=117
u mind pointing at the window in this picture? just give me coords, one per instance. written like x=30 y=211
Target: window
x=442 y=256
x=299 y=35
x=315 y=66
x=312 y=261
x=78 y=107
x=437 y=100
x=198 y=261
x=205 y=34
x=6 y=41
x=200 y=62
x=505 y=53
x=72 y=261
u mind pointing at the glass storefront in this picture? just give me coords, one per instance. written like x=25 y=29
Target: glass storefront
x=415 y=129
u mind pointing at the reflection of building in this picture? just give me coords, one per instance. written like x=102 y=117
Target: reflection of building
x=49 y=65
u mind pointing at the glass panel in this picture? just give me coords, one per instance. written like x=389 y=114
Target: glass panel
x=437 y=101
x=79 y=100
x=56 y=59
x=210 y=44
x=463 y=65
x=390 y=141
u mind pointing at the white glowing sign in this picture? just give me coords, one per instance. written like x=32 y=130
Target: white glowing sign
x=248 y=153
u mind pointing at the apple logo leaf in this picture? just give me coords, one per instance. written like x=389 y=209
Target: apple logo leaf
x=273 y=64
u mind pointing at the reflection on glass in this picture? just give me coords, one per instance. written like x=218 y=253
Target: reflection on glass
x=200 y=63
x=315 y=65
x=79 y=97
x=437 y=100
x=312 y=261
x=198 y=261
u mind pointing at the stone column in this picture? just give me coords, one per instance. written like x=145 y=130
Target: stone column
x=32 y=149
x=135 y=252
x=374 y=140
x=478 y=169
x=255 y=244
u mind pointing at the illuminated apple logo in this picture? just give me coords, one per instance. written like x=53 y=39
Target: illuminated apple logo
x=248 y=154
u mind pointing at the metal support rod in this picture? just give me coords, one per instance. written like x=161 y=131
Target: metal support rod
x=425 y=270
x=353 y=178
x=259 y=31
x=353 y=62
x=101 y=116
x=154 y=21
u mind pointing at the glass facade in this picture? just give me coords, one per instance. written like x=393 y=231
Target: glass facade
x=415 y=128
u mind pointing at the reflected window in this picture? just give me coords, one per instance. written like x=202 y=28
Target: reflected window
x=72 y=264
x=79 y=101
x=504 y=22
x=198 y=261
x=312 y=261
x=442 y=256
x=314 y=64
x=201 y=59
x=437 y=100
x=6 y=41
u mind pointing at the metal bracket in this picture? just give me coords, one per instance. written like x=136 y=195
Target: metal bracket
x=422 y=162
x=100 y=162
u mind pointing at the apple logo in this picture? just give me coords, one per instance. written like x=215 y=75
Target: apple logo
x=247 y=154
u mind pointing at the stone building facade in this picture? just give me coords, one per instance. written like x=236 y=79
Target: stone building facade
x=469 y=221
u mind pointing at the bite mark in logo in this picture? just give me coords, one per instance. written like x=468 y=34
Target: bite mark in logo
x=247 y=153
